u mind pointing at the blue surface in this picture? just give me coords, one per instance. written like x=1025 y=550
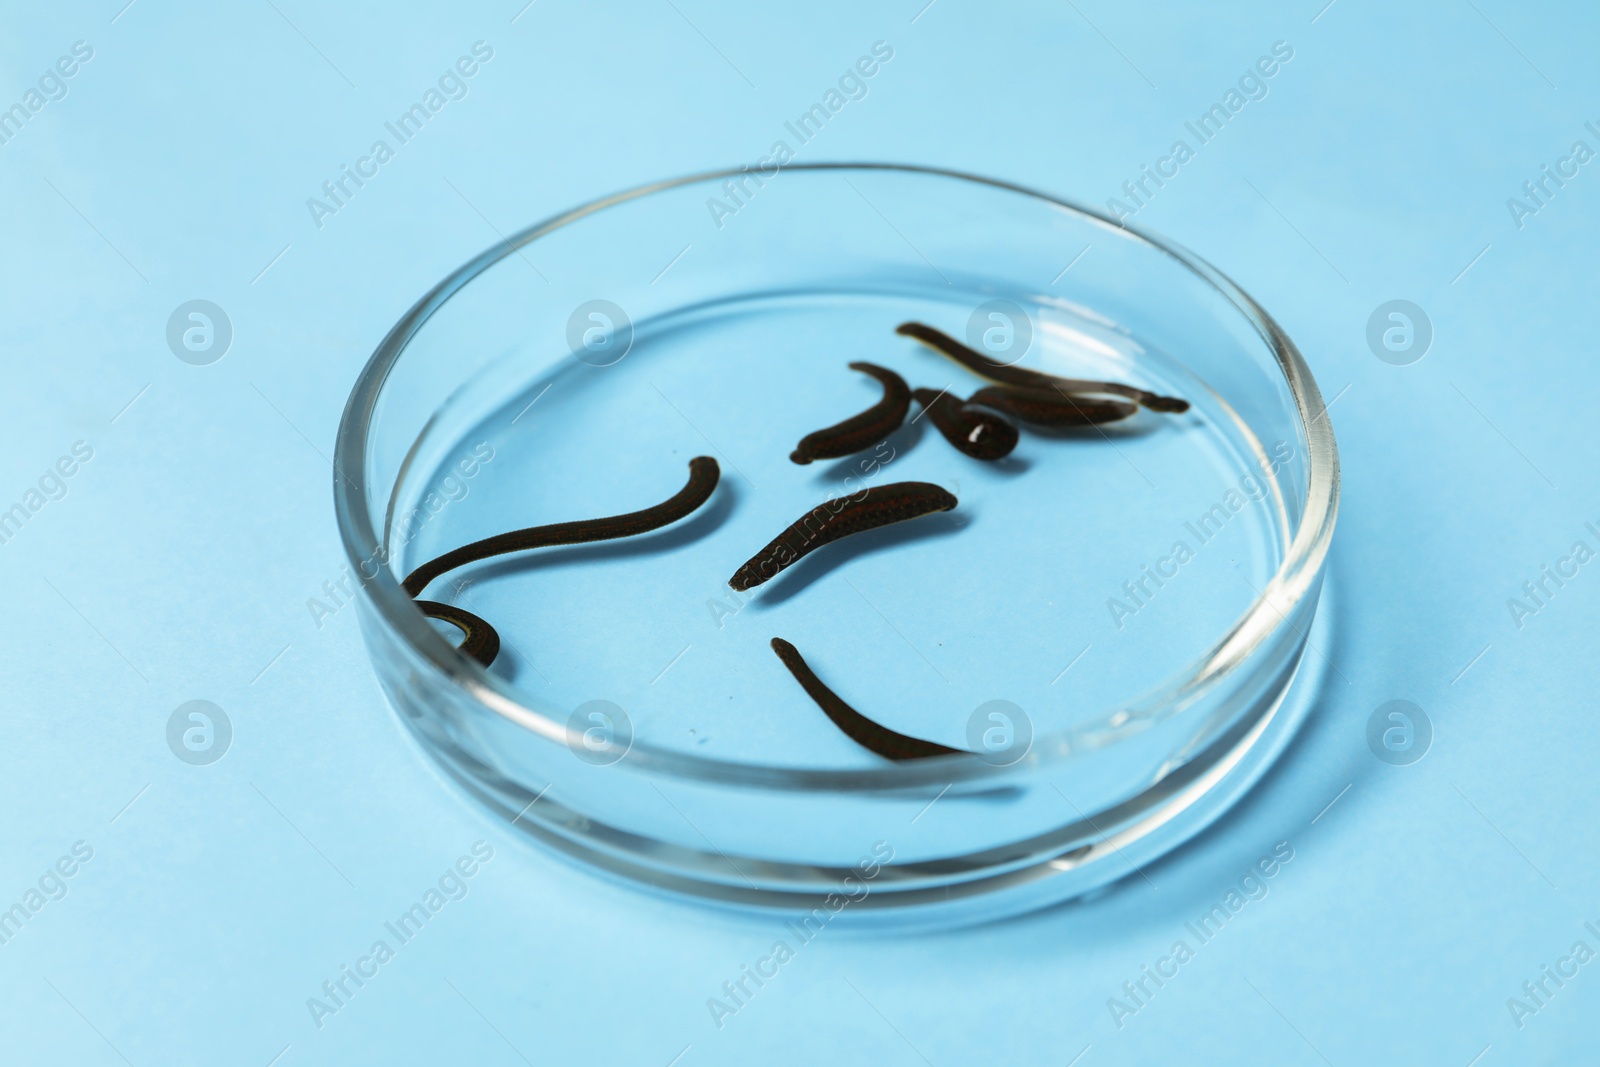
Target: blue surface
x=178 y=563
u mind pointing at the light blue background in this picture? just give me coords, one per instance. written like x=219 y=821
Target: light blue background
x=179 y=563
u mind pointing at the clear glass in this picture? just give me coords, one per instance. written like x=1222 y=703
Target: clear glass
x=1153 y=701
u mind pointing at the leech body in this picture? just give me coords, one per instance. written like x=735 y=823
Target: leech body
x=1022 y=377
x=861 y=431
x=482 y=643
x=975 y=433
x=870 y=509
x=856 y=726
x=1050 y=407
x=703 y=476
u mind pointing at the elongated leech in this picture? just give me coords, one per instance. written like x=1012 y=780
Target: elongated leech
x=861 y=431
x=481 y=642
x=974 y=432
x=856 y=726
x=975 y=362
x=823 y=524
x=1050 y=407
x=703 y=476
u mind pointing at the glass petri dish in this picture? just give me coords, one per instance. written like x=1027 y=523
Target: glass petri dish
x=1133 y=600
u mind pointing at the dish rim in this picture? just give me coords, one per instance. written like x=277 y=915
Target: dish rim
x=1298 y=575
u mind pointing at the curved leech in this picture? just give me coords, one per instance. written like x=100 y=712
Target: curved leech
x=856 y=726
x=975 y=362
x=871 y=508
x=482 y=642
x=703 y=476
x=1050 y=407
x=975 y=433
x=861 y=431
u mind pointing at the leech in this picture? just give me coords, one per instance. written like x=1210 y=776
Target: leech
x=861 y=431
x=975 y=433
x=703 y=476
x=856 y=726
x=1049 y=407
x=481 y=642
x=1031 y=379
x=868 y=510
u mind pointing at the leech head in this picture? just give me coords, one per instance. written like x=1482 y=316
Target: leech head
x=921 y=331
x=967 y=356
x=703 y=467
x=1172 y=404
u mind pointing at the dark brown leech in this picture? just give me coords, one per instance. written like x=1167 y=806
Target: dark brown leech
x=703 y=476
x=975 y=433
x=856 y=726
x=823 y=524
x=1050 y=407
x=864 y=430
x=482 y=643
x=974 y=361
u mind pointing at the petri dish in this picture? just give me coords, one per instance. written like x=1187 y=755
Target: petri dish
x=1108 y=628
